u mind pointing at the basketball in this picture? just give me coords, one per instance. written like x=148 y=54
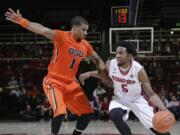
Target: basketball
x=163 y=121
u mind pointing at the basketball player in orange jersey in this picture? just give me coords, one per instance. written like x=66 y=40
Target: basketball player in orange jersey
x=60 y=85
x=129 y=77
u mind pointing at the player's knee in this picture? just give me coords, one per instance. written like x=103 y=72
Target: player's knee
x=116 y=113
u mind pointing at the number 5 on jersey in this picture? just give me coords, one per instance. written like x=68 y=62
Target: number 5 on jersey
x=124 y=87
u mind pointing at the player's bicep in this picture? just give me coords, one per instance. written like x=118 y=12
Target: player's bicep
x=143 y=77
x=95 y=57
x=49 y=33
x=40 y=29
x=98 y=62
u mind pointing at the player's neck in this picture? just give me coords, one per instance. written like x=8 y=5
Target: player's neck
x=126 y=65
x=75 y=37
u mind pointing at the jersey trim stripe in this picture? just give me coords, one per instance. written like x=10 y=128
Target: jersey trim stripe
x=125 y=72
x=53 y=97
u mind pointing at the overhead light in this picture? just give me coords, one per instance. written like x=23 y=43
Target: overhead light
x=172 y=32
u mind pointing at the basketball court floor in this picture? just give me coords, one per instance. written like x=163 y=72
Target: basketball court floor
x=95 y=128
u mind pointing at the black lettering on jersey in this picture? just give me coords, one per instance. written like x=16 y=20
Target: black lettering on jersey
x=75 y=52
x=71 y=50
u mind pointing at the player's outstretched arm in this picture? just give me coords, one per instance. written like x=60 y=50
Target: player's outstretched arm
x=153 y=97
x=17 y=18
x=103 y=76
x=86 y=75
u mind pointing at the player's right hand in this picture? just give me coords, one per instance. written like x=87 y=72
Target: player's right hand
x=13 y=16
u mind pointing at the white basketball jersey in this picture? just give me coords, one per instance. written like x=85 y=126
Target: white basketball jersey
x=126 y=85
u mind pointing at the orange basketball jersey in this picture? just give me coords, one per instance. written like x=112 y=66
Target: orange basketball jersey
x=67 y=55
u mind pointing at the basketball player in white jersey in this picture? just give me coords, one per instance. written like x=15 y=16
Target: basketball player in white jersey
x=129 y=78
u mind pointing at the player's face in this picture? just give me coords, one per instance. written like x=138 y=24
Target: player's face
x=122 y=56
x=81 y=31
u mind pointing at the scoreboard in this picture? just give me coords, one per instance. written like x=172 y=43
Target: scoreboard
x=120 y=16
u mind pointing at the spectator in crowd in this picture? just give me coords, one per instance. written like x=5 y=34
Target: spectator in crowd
x=39 y=109
x=8 y=72
x=178 y=92
x=163 y=91
x=174 y=106
x=99 y=91
x=13 y=84
x=47 y=109
x=21 y=81
x=27 y=114
x=164 y=100
x=170 y=95
x=105 y=109
x=159 y=71
x=42 y=109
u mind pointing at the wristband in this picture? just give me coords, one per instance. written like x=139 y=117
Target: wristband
x=24 y=23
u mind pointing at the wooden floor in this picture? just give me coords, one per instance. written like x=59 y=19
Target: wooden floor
x=95 y=128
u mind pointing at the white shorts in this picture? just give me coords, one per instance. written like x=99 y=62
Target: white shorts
x=139 y=107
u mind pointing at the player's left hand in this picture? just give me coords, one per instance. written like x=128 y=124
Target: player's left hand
x=83 y=77
x=13 y=16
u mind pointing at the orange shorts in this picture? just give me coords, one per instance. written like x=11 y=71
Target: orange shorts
x=63 y=95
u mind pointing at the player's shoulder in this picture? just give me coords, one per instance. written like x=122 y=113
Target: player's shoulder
x=108 y=62
x=59 y=31
x=137 y=65
x=112 y=61
x=59 y=34
x=85 y=42
x=136 y=62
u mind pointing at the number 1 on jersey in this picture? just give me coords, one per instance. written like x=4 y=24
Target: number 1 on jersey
x=56 y=57
x=72 y=63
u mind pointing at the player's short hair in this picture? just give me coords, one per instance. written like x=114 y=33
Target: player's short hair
x=79 y=20
x=130 y=46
